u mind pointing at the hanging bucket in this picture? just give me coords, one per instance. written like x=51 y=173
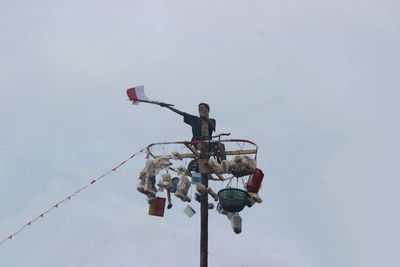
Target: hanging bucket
x=189 y=211
x=233 y=199
x=157 y=207
x=175 y=182
x=255 y=181
x=196 y=178
x=193 y=166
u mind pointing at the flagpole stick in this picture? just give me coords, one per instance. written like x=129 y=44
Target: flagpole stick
x=155 y=102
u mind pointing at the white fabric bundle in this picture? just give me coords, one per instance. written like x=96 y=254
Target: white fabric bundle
x=153 y=167
x=147 y=176
x=165 y=182
x=226 y=166
x=242 y=166
x=200 y=188
x=183 y=188
x=214 y=165
x=212 y=193
x=180 y=170
x=161 y=163
x=140 y=187
x=148 y=187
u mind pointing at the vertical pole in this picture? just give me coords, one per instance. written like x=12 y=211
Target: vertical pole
x=204 y=216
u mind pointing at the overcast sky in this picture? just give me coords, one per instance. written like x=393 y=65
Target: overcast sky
x=313 y=83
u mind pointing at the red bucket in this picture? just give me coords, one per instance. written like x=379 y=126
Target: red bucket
x=157 y=207
x=255 y=180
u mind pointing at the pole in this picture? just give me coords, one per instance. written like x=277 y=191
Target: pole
x=204 y=215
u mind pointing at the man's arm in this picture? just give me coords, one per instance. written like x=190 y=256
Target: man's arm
x=162 y=104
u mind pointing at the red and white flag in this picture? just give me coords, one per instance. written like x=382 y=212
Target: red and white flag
x=136 y=94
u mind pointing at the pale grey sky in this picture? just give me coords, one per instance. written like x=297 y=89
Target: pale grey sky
x=313 y=83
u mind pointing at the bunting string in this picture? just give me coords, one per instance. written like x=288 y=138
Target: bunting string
x=58 y=204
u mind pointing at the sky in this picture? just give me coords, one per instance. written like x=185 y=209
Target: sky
x=313 y=83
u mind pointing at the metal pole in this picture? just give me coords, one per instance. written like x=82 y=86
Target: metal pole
x=204 y=217
x=204 y=225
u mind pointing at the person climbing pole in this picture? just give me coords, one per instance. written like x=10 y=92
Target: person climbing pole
x=202 y=125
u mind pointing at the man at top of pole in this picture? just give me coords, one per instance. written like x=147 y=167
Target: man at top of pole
x=202 y=125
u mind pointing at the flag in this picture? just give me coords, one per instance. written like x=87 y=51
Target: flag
x=136 y=94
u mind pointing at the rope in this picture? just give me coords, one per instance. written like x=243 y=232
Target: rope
x=55 y=206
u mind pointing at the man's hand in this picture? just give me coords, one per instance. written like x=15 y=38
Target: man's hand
x=170 y=106
x=162 y=104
